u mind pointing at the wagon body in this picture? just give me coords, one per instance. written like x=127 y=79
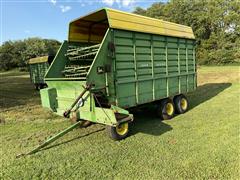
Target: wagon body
x=37 y=68
x=150 y=67
x=129 y=60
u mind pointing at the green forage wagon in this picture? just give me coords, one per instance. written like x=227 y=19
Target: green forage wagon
x=37 y=68
x=115 y=61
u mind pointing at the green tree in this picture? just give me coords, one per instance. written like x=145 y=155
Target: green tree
x=17 y=53
x=6 y=55
x=216 y=25
x=52 y=46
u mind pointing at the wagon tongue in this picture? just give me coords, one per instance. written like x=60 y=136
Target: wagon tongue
x=50 y=140
x=55 y=137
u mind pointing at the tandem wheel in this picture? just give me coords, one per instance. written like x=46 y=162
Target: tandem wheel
x=181 y=103
x=166 y=109
x=119 y=132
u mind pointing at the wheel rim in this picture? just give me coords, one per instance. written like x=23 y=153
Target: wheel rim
x=169 y=109
x=122 y=129
x=183 y=103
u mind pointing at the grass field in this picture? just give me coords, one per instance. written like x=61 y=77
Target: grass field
x=200 y=144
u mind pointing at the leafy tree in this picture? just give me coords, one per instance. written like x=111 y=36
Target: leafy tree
x=140 y=11
x=216 y=25
x=34 y=47
x=17 y=53
x=52 y=46
x=6 y=55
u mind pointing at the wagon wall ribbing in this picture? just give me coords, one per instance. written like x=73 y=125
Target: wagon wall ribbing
x=38 y=71
x=151 y=67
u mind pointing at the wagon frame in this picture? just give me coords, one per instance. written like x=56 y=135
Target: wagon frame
x=128 y=61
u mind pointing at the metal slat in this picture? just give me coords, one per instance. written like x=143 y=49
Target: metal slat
x=135 y=68
x=152 y=63
x=82 y=50
x=86 y=48
x=166 y=52
x=179 y=72
x=82 y=56
x=74 y=54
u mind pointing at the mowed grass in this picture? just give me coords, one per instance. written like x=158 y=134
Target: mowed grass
x=200 y=144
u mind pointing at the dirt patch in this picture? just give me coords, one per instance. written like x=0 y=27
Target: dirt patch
x=218 y=77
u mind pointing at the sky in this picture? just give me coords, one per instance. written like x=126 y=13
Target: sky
x=21 y=19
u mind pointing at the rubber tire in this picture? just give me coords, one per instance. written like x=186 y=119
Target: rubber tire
x=112 y=133
x=177 y=103
x=161 y=110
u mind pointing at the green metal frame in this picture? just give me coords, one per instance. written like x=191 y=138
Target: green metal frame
x=143 y=68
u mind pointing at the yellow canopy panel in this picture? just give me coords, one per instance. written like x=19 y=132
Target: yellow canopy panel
x=38 y=60
x=92 y=27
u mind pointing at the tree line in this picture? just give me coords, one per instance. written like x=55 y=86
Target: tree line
x=17 y=53
x=216 y=25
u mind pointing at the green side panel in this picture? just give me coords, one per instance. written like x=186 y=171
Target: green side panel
x=125 y=68
x=59 y=62
x=151 y=67
x=127 y=91
x=160 y=88
x=66 y=93
x=37 y=72
x=61 y=94
x=145 y=92
x=183 y=83
x=173 y=85
x=48 y=98
x=103 y=59
x=96 y=114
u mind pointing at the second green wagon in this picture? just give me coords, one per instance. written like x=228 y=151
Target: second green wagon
x=38 y=67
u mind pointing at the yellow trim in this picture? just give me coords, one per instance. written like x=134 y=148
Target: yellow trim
x=38 y=60
x=122 y=129
x=183 y=103
x=169 y=109
x=133 y=22
x=89 y=28
x=80 y=29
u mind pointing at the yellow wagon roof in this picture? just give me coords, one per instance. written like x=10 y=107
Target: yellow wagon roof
x=92 y=26
x=38 y=60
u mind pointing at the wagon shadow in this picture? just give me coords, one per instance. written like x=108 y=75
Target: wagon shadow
x=205 y=92
x=148 y=123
